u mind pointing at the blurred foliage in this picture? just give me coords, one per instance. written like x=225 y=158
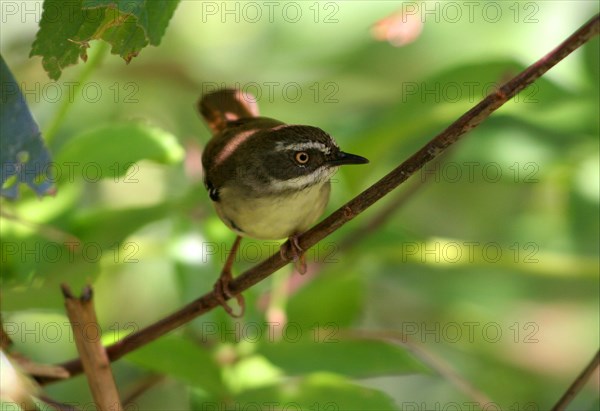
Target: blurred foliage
x=490 y=269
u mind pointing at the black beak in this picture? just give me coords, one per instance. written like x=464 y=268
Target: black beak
x=341 y=158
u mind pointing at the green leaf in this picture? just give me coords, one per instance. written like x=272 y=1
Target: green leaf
x=23 y=155
x=152 y=16
x=67 y=27
x=127 y=39
x=329 y=352
x=319 y=391
x=65 y=30
x=108 y=227
x=182 y=359
x=315 y=303
x=109 y=151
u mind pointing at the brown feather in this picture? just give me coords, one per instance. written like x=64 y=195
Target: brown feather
x=227 y=105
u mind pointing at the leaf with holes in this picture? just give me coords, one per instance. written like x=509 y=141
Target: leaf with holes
x=23 y=155
x=67 y=27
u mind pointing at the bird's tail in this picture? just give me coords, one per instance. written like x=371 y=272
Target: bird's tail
x=222 y=106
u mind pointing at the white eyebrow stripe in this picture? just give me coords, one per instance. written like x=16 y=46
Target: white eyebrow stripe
x=303 y=146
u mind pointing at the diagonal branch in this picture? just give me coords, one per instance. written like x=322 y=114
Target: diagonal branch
x=431 y=150
x=386 y=212
x=578 y=384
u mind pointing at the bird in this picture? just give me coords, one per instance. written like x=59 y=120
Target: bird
x=267 y=180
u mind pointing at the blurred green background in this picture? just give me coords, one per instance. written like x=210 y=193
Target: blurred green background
x=488 y=272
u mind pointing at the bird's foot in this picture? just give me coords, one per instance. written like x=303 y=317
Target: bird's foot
x=292 y=250
x=223 y=293
x=221 y=287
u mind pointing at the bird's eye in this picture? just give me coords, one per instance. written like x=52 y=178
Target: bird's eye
x=301 y=157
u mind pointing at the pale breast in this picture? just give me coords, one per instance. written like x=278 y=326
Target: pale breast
x=273 y=217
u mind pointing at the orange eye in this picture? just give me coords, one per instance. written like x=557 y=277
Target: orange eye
x=302 y=157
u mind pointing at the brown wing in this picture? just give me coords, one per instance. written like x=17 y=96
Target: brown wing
x=223 y=106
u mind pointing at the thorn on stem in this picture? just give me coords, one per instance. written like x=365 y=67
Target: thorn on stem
x=86 y=294
x=66 y=291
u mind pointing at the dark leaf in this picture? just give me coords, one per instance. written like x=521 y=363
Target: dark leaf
x=22 y=151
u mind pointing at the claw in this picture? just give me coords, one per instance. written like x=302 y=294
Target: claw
x=296 y=252
x=223 y=293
